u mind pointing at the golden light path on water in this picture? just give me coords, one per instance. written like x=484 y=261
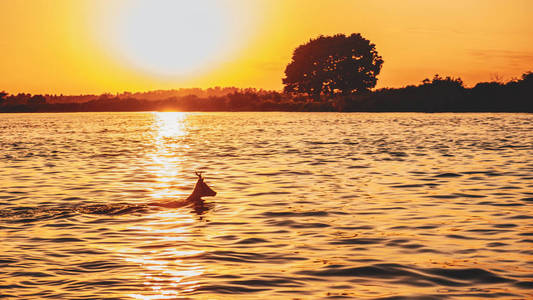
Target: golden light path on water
x=165 y=269
x=168 y=128
x=165 y=276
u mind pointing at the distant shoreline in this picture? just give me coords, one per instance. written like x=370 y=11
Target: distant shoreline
x=432 y=96
x=266 y=111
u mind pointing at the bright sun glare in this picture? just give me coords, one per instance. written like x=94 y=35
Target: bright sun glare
x=174 y=38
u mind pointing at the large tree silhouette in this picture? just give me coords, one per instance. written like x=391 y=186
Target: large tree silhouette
x=333 y=64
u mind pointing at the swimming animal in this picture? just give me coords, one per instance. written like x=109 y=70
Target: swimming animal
x=201 y=189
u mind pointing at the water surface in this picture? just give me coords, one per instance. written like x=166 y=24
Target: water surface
x=309 y=206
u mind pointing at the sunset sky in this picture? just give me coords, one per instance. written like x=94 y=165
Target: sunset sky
x=96 y=46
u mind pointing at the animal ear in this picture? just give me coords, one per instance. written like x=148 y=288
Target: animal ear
x=199 y=174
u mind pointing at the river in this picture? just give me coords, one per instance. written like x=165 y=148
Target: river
x=309 y=206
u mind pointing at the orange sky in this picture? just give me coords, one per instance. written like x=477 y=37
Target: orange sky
x=96 y=46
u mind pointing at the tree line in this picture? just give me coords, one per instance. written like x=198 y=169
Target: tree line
x=439 y=94
x=328 y=73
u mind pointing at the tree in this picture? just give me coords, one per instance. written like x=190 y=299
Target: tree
x=37 y=99
x=3 y=94
x=332 y=65
x=527 y=79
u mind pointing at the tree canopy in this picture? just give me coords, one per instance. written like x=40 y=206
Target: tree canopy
x=330 y=65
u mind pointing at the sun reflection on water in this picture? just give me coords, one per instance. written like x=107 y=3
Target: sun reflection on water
x=161 y=246
x=170 y=124
x=161 y=251
x=168 y=153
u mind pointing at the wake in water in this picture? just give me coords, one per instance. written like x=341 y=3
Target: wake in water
x=28 y=214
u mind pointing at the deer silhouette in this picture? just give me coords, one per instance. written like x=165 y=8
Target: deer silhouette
x=201 y=189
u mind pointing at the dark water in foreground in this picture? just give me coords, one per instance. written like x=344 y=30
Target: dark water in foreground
x=309 y=206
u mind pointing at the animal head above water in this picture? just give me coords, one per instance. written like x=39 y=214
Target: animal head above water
x=201 y=189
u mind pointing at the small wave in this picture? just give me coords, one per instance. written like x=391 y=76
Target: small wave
x=500 y=204
x=282 y=282
x=30 y=274
x=408 y=186
x=520 y=217
x=229 y=289
x=452 y=196
x=357 y=241
x=524 y=284
x=95 y=266
x=358 y=167
x=252 y=241
x=413 y=276
x=470 y=195
x=268 y=193
x=298 y=225
x=457 y=236
x=448 y=175
x=250 y=257
x=526 y=234
x=321 y=143
x=294 y=214
x=105 y=155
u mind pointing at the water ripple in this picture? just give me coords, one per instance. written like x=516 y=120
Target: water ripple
x=309 y=205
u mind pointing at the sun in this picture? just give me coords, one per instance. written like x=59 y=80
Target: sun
x=174 y=38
